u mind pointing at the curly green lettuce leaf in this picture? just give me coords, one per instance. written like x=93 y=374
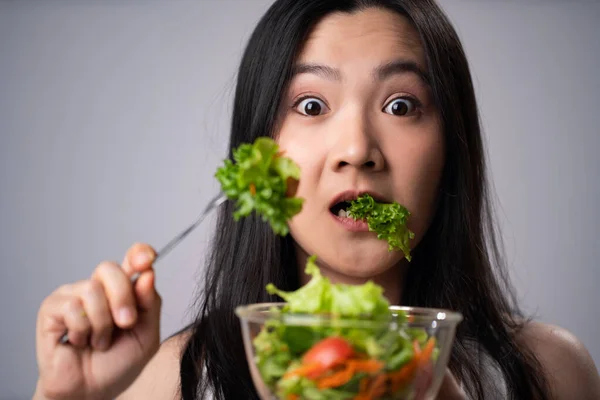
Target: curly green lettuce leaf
x=357 y=301
x=388 y=220
x=259 y=179
x=312 y=298
x=320 y=296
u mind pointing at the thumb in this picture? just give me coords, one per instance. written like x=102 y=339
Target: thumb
x=148 y=299
x=147 y=328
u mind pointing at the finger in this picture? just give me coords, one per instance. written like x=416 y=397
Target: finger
x=148 y=327
x=119 y=292
x=96 y=307
x=76 y=322
x=138 y=258
x=51 y=322
x=147 y=297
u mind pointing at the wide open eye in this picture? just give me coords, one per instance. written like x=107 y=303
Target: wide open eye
x=311 y=106
x=401 y=106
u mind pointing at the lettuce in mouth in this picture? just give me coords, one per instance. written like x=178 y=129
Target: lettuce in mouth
x=388 y=220
x=260 y=179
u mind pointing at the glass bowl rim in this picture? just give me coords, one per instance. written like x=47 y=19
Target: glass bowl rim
x=258 y=313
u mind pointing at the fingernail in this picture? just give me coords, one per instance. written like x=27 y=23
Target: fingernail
x=143 y=257
x=126 y=315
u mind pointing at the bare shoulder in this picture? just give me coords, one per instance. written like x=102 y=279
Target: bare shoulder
x=571 y=371
x=160 y=377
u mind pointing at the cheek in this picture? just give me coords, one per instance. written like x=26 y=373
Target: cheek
x=416 y=182
x=307 y=151
x=294 y=145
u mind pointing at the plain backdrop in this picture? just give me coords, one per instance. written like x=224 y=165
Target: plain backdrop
x=114 y=116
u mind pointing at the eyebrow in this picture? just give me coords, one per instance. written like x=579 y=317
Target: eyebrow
x=382 y=72
x=401 y=67
x=323 y=71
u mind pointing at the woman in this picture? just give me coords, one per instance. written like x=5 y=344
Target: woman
x=365 y=95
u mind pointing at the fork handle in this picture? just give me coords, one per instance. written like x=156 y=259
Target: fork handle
x=215 y=202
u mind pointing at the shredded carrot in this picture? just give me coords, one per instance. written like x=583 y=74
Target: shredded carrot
x=293 y=396
x=427 y=351
x=371 y=389
x=308 y=370
x=352 y=367
x=337 y=379
x=416 y=348
x=378 y=387
x=405 y=374
x=369 y=366
x=253 y=189
x=364 y=390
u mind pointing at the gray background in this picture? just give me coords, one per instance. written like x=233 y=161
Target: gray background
x=114 y=115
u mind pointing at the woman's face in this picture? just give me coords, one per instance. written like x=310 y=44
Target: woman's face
x=359 y=117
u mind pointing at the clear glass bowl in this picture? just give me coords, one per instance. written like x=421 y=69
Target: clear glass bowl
x=429 y=331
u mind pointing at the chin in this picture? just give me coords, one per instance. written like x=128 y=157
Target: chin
x=360 y=272
x=364 y=267
x=362 y=261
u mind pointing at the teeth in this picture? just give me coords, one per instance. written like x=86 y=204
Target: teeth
x=342 y=213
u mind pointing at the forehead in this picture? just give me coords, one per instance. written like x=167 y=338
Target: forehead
x=371 y=35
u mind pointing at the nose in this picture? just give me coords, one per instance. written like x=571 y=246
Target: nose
x=356 y=146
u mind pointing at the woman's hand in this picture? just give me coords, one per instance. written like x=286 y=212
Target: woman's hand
x=113 y=329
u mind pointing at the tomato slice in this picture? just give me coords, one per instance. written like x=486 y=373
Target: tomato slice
x=329 y=352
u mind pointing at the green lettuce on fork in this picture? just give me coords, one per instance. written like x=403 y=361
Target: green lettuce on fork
x=260 y=179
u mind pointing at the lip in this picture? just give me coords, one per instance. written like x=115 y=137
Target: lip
x=359 y=225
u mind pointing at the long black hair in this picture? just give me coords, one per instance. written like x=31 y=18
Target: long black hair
x=457 y=265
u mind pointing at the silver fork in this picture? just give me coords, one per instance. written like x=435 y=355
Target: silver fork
x=214 y=203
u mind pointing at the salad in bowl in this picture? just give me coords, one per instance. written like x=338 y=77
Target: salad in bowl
x=335 y=342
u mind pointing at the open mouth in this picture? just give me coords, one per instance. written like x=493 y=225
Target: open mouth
x=342 y=202
x=340 y=209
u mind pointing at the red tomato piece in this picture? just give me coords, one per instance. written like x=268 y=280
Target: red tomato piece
x=328 y=352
